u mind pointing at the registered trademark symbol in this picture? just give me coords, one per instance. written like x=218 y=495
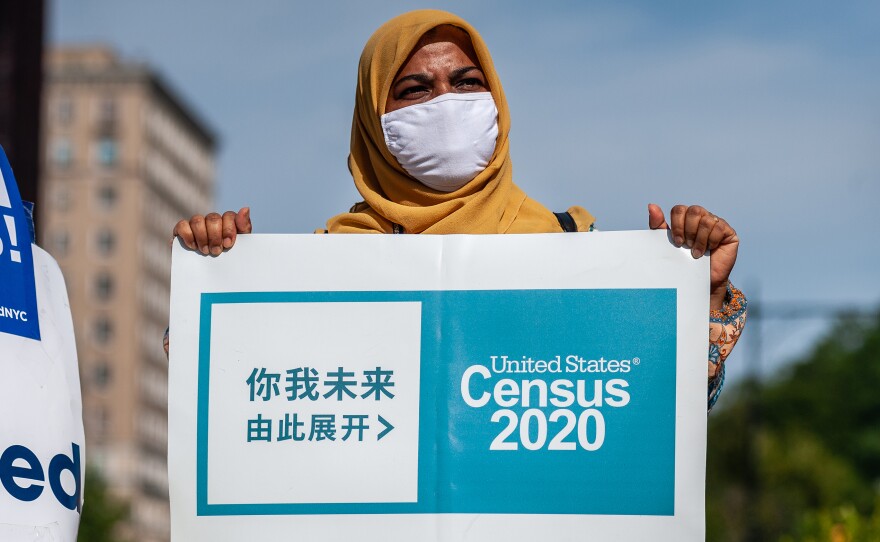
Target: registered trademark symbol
x=636 y=361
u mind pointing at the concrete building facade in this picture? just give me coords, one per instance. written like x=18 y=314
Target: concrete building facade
x=122 y=160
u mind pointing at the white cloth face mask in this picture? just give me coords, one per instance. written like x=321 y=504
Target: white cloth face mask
x=446 y=142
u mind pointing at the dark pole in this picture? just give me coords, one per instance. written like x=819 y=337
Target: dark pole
x=751 y=457
x=21 y=85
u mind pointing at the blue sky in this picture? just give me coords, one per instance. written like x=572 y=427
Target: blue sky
x=767 y=113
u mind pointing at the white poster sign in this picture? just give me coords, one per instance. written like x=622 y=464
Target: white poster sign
x=42 y=446
x=439 y=388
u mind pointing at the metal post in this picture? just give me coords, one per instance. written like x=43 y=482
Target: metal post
x=751 y=455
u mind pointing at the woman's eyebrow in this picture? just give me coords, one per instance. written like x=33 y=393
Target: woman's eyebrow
x=422 y=78
x=459 y=72
x=426 y=79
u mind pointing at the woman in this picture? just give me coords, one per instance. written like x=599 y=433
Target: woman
x=429 y=154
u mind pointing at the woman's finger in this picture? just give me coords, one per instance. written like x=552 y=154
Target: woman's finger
x=707 y=225
x=243 y=220
x=676 y=224
x=200 y=234
x=214 y=227
x=656 y=220
x=692 y=219
x=721 y=230
x=185 y=233
x=229 y=229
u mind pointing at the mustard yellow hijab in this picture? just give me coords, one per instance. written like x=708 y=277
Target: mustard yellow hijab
x=490 y=203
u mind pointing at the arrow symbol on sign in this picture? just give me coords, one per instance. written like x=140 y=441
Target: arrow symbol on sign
x=388 y=428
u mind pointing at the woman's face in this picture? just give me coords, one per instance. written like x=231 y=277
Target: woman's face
x=443 y=61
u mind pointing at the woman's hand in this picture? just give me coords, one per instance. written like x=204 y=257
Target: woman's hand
x=213 y=233
x=701 y=231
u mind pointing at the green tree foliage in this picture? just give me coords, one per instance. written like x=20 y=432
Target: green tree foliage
x=798 y=459
x=839 y=524
x=101 y=512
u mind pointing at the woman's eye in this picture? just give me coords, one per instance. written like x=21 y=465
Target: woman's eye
x=412 y=92
x=471 y=83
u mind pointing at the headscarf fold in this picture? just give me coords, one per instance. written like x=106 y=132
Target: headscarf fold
x=490 y=203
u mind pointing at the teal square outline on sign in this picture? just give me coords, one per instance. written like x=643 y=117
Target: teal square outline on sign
x=465 y=494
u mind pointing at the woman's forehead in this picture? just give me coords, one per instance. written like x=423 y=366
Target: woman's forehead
x=438 y=39
x=446 y=33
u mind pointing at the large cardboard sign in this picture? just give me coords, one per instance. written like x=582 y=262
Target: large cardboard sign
x=42 y=447
x=440 y=388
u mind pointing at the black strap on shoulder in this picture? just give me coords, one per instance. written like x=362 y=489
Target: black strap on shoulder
x=567 y=222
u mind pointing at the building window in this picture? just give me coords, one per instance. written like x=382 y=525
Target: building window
x=101 y=420
x=59 y=244
x=103 y=287
x=65 y=110
x=61 y=198
x=102 y=330
x=106 y=242
x=108 y=152
x=107 y=197
x=62 y=153
x=101 y=375
x=107 y=111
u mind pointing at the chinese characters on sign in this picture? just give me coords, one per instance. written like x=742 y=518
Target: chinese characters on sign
x=307 y=384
